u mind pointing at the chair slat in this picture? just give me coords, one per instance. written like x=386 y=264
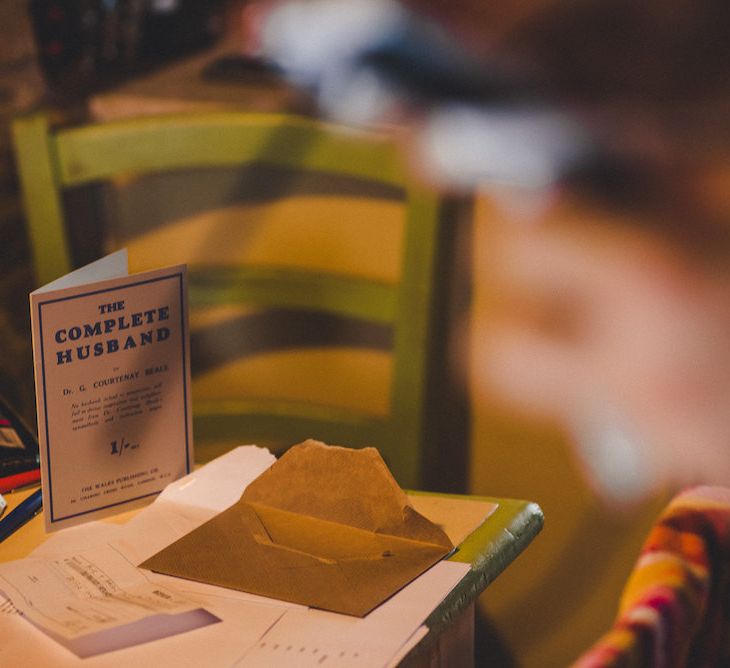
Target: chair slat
x=96 y=152
x=270 y=286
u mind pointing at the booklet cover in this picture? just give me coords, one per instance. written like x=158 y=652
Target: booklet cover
x=112 y=372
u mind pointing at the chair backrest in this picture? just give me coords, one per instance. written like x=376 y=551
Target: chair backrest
x=51 y=160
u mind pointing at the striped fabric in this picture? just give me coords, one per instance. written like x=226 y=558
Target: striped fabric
x=675 y=607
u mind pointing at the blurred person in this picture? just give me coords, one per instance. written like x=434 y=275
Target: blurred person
x=600 y=128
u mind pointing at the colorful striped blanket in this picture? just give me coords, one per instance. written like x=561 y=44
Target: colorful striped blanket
x=675 y=607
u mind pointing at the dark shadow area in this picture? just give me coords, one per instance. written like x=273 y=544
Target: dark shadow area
x=490 y=649
x=16 y=281
x=84 y=206
x=194 y=191
x=448 y=423
x=280 y=329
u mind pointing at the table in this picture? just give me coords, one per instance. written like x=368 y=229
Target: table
x=507 y=530
x=505 y=533
x=182 y=86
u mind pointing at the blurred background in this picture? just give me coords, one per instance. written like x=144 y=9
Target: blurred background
x=105 y=60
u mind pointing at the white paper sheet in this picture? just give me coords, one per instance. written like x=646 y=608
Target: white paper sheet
x=86 y=592
x=221 y=644
x=252 y=631
x=308 y=637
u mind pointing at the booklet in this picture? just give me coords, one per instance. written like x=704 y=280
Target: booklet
x=112 y=373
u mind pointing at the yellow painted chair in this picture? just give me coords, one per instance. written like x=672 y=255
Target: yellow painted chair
x=51 y=161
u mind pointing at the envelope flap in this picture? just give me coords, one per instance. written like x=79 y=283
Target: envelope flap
x=345 y=486
x=333 y=541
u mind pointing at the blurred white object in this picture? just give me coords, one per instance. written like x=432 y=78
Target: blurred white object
x=308 y=39
x=463 y=146
x=319 y=43
x=366 y=59
x=165 y=6
x=356 y=96
x=614 y=457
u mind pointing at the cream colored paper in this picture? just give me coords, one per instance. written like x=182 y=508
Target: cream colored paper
x=112 y=370
x=86 y=601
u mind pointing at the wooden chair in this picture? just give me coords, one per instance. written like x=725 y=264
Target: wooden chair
x=52 y=160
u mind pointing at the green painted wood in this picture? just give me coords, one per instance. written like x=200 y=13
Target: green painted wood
x=53 y=159
x=274 y=286
x=413 y=339
x=41 y=198
x=262 y=418
x=493 y=546
x=97 y=152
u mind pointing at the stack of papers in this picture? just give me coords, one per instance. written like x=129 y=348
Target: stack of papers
x=82 y=594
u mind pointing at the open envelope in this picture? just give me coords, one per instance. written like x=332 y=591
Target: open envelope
x=325 y=526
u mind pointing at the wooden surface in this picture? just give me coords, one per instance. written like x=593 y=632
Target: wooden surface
x=183 y=86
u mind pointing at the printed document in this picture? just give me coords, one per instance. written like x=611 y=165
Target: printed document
x=112 y=372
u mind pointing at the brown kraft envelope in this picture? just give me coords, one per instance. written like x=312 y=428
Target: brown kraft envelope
x=325 y=526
